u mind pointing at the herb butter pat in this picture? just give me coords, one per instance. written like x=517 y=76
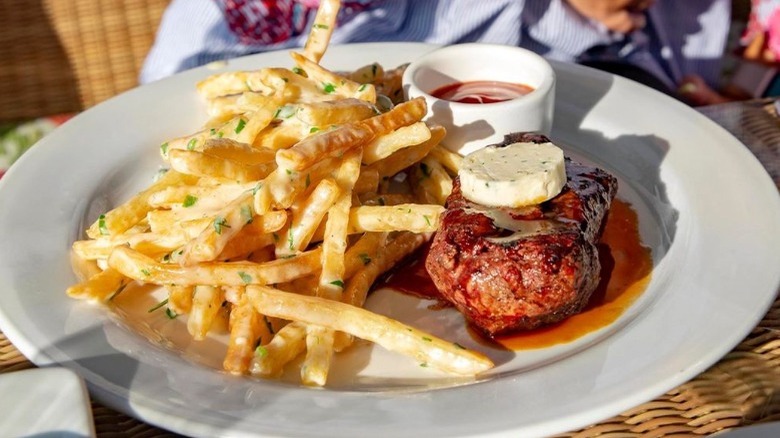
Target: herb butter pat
x=516 y=175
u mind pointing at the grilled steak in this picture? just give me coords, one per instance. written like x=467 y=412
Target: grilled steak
x=511 y=269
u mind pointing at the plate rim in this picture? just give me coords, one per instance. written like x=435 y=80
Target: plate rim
x=32 y=351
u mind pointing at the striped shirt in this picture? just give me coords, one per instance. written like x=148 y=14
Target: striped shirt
x=681 y=37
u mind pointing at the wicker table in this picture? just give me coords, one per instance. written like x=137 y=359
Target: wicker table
x=743 y=388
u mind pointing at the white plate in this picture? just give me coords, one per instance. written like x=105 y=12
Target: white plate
x=707 y=209
x=45 y=402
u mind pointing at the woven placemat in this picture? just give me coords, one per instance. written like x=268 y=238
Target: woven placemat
x=741 y=389
x=61 y=56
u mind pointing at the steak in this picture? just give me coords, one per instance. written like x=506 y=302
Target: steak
x=509 y=269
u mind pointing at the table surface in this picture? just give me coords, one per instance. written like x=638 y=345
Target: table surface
x=742 y=389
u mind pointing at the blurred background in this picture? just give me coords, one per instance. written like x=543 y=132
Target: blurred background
x=59 y=57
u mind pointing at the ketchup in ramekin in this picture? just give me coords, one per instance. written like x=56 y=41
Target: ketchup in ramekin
x=481 y=91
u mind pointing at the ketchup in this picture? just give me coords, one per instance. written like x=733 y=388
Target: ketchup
x=481 y=91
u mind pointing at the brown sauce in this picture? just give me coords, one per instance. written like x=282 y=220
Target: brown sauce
x=481 y=91
x=626 y=267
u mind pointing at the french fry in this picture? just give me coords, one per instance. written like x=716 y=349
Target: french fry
x=282 y=135
x=83 y=267
x=319 y=351
x=407 y=156
x=388 y=333
x=319 y=340
x=281 y=187
x=331 y=143
x=450 y=160
x=224 y=108
x=100 y=287
x=200 y=196
x=121 y=218
x=261 y=81
x=433 y=183
x=226 y=224
x=333 y=112
x=390 y=84
x=305 y=119
x=332 y=83
x=368 y=74
x=321 y=30
x=335 y=142
x=285 y=346
x=334 y=245
x=307 y=218
x=140 y=267
x=418 y=218
x=150 y=244
x=180 y=298
x=368 y=181
x=378 y=263
x=385 y=199
x=384 y=146
x=362 y=252
x=239 y=152
x=245 y=130
x=244 y=331
x=206 y=302
x=399 y=247
x=202 y=164
x=259 y=234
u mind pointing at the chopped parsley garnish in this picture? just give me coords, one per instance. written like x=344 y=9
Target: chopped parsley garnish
x=158 y=305
x=164 y=148
x=284 y=112
x=427 y=219
x=118 y=291
x=328 y=88
x=189 y=201
x=458 y=346
x=427 y=339
x=290 y=239
x=246 y=214
x=220 y=134
x=364 y=258
x=299 y=71
x=170 y=313
x=191 y=144
x=261 y=351
x=424 y=365
x=219 y=223
x=320 y=26
x=240 y=125
x=362 y=87
x=102 y=225
x=256 y=188
x=313 y=129
x=213 y=131
x=246 y=278
x=146 y=272
x=338 y=283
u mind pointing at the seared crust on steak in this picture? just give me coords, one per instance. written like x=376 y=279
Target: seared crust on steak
x=511 y=269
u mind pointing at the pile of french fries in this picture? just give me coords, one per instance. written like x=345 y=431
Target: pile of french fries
x=302 y=189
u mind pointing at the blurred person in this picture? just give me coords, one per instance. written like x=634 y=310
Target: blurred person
x=657 y=42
